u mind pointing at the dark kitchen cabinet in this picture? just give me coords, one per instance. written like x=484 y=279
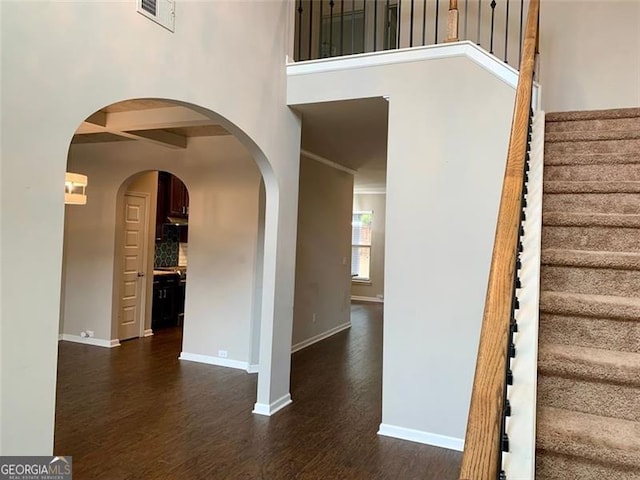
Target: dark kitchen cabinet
x=178 y=198
x=173 y=201
x=164 y=180
x=166 y=301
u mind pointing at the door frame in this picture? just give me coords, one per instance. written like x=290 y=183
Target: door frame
x=145 y=258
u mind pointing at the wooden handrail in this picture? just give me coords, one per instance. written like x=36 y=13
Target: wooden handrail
x=482 y=442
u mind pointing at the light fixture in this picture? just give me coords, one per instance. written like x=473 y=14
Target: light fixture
x=75 y=186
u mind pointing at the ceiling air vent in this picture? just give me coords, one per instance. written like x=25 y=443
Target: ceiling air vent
x=160 y=11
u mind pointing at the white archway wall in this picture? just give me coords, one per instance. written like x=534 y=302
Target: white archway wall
x=62 y=61
x=223 y=184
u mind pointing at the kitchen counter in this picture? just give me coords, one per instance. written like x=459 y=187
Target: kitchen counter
x=164 y=272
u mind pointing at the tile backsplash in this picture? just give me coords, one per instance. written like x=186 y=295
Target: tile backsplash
x=167 y=247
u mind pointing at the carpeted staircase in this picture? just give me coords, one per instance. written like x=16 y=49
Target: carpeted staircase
x=588 y=420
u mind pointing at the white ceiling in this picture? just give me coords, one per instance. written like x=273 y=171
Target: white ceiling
x=352 y=133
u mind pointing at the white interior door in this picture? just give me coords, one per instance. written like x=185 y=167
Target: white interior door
x=131 y=309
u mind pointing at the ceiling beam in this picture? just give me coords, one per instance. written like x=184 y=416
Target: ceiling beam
x=146 y=125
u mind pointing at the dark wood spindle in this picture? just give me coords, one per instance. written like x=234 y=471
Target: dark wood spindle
x=375 y=25
x=493 y=17
x=387 y=31
x=411 y=25
x=506 y=35
x=341 y=27
x=436 y=27
x=353 y=19
x=331 y=4
x=364 y=26
x=310 y=29
x=424 y=21
x=479 y=20
x=300 y=10
x=399 y=21
x=321 y=34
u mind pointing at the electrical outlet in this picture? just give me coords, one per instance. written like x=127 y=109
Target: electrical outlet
x=223 y=353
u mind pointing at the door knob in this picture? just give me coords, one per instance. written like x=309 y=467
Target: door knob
x=140 y=274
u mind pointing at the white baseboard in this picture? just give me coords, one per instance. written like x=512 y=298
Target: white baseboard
x=253 y=368
x=211 y=360
x=318 y=338
x=367 y=299
x=147 y=333
x=421 y=437
x=96 y=342
x=268 y=410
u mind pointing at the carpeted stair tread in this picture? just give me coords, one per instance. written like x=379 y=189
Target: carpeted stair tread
x=592 y=114
x=591 y=259
x=604 y=366
x=559 y=158
x=554 y=466
x=564 y=219
x=559 y=186
x=599 y=306
x=588 y=395
x=590 y=136
x=619 y=334
x=594 y=125
x=617 y=203
x=595 y=146
x=629 y=172
x=596 y=438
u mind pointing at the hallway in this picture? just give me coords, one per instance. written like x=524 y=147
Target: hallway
x=138 y=412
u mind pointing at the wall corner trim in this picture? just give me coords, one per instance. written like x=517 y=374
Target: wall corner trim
x=273 y=407
x=96 y=342
x=211 y=360
x=317 y=338
x=419 y=436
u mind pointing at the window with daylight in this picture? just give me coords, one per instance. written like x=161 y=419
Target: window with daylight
x=361 y=245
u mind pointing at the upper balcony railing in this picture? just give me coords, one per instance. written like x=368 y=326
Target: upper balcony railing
x=333 y=28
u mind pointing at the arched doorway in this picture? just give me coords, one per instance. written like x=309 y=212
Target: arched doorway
x=226 y=225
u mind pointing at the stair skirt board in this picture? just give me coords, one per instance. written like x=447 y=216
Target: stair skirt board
x=419 y=436
x=520 y=461
x=273 y=407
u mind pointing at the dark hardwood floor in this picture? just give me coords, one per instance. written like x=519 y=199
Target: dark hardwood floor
x=137 y=412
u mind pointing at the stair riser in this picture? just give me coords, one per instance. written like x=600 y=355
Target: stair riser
x=592 y=202
x=598 y=146
x=581 y=395
x=609 y=334
x=552 y=466
x=592 y=238
x=597 y=281
x=594 y=125
x=593 y=173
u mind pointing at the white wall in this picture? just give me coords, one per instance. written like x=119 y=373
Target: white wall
x=62 y=61
x=449 y=122
x=376 y=203
x=323 y=260
x=590 y=54
x=223 y=183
